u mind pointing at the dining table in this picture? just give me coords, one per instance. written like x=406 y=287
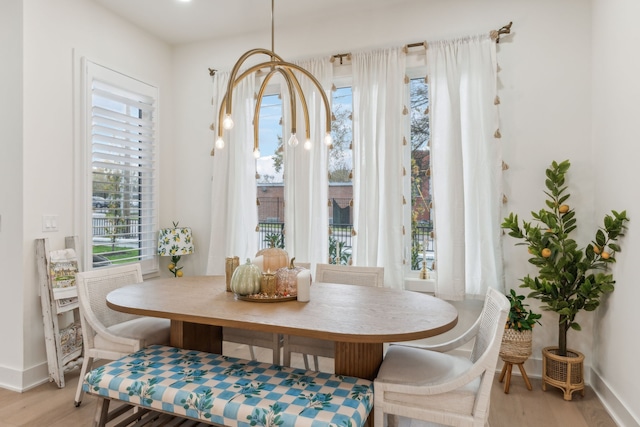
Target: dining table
x=360 y=319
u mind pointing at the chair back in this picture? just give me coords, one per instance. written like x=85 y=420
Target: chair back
x=93 y=287
x=486 y=347
x=491 y=324
x=350 y=275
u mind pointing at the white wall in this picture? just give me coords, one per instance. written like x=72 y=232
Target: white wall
x=616 y=67
x=11 y=202
x=52 y=31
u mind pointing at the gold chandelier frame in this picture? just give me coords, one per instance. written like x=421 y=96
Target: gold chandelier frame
x=276 y=65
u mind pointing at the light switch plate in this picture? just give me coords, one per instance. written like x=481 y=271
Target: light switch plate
x=49 y=222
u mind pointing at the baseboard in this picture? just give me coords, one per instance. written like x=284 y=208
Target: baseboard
x=611 y=402
x=21 y=381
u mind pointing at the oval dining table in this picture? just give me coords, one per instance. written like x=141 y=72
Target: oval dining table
x=360 y=319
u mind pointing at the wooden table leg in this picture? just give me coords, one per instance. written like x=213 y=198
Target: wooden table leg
x=196 y=336
x=360 y=360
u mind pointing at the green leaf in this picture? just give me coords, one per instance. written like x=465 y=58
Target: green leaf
x=614 y=247
x=564 y=199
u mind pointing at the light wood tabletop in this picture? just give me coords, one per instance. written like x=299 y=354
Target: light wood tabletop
x=358 y=318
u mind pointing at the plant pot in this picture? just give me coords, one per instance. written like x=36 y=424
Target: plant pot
x=515 y=350
x=516 y=346
x=563 y=372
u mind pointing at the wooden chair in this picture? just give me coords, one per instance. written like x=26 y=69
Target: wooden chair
x=60 y=313
x=329 y=273
x=109 y=334
x=434 y=386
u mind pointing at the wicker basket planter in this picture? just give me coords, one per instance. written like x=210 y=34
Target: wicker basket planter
x=565 y=373
x=515 y=350
x=516 y=346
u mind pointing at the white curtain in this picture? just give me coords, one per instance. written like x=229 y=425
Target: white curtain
x=305 y=172
x=378 y=92
x=466 y=165
x=233 y=202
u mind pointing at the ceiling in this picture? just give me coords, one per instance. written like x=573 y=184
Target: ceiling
x=178 y=22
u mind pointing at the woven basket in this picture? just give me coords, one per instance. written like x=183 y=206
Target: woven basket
x=516 y=345
x=563 y=372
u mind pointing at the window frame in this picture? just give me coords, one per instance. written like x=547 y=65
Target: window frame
x=84 y=187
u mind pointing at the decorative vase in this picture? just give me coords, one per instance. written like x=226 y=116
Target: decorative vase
x=563 y=372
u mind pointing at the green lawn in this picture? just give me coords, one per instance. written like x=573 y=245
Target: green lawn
x=117 y=254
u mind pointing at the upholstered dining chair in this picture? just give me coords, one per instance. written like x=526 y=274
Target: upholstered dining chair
x=109 y=334
x=443 y=388
x=257 y=338
x=329 y=273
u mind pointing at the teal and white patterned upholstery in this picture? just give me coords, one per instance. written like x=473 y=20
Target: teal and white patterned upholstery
x=231 y=391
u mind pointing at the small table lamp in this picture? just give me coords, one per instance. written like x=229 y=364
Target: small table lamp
x=175 y=242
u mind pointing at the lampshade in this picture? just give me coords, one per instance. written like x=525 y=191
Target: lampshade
x=175 y=241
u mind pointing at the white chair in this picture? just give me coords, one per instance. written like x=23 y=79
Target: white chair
x=439 y=387
x=257 y=338
x=109 y=334
x=254 y=339
x=330 y=273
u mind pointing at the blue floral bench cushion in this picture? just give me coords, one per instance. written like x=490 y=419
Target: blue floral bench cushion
x=231 y=391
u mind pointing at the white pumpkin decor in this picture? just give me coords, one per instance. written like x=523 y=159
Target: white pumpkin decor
x=246 y=279
x=273 y=258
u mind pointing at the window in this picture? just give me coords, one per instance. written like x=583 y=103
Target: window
x=120 y=147
x=340 y=176
x=422 y=249
x=270 y=178
x=270 y=185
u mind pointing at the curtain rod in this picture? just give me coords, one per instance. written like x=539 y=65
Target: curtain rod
x=506 y=29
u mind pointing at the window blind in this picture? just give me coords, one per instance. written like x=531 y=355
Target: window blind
x=123 y=172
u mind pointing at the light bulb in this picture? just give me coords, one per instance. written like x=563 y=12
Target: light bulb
x=227 y=123
x=256 y=153
x=307 y=144
x=327 y=139
x=220 y=142
x=293 y=141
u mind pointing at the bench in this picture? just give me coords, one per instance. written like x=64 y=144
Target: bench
x=222 y=390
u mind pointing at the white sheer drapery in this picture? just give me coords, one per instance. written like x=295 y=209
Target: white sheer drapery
x=466 y=164
x=305 y=172
x=378 y=92
x=233 y=197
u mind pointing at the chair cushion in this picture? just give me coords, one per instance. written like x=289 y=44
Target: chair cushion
x=418 y=367
x=228 y=391
x=149 y=330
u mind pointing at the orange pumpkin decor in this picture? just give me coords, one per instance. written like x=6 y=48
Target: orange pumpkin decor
x=287 y=280
x=273 y=259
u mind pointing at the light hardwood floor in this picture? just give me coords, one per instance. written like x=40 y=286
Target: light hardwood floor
x=48 y=406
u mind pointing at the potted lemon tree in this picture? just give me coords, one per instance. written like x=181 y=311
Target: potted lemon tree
x=570 y=279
